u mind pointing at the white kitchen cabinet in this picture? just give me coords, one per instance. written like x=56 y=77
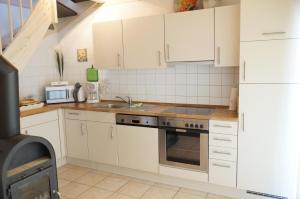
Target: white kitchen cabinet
x=44 y=125
x=144 y=42
x=49 y=131
x=138 y=148
x=189 y=36
x=76 y=138
x=270 y=19
x=222 y=172
x=108 y=44
x=275 y=61
x=227 y=36
x=102 y=141
x=268 y=138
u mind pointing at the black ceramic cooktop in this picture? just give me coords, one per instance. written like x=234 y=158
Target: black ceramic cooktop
x=190 y=111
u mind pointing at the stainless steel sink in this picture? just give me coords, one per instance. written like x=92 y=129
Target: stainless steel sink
x=112 y=106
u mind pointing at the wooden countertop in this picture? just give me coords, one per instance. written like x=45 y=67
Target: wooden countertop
x=155 y=109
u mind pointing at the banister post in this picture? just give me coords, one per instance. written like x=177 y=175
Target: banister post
x=10 y=20
x=21 y=12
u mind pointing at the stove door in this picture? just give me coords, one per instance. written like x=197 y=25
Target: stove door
x=37 y=186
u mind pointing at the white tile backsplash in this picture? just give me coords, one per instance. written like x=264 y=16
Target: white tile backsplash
x=182 y=83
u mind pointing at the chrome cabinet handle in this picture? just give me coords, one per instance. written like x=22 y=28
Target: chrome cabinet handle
x=244 y=71
x=222 y=126
x=274 y=33
x=73 y=113
x=222 y=139
x=111 y=132
x=168 y=51
x=159 y=58
x=243 y=122
x=119 y=60
x=219 y=55
x=222 y=152
x=221 y=165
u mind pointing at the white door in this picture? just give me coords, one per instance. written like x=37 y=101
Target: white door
x=275 y=61
x=189 y=36
x=270 y=19
x=227 y=36
x=108 y=44
x=102 y=141
x=268 y=138
x=138 y=148
x=49 y=131
x=144 y=42
x=76 y=137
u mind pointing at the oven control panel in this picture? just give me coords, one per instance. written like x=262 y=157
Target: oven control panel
x=183 y=123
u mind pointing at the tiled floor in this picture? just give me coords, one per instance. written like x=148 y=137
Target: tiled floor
x=82 y=183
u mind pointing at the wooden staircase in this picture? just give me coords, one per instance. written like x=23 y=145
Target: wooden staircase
x=31 y=32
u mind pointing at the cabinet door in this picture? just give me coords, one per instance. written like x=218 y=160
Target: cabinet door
x=270 y=19
x=138 y=148
x=227 y=36
x=76 y=134
x=108 y=44
x=49 y=131
x=268 y=139
x=144 y=48
x=275 y=61
x=102 y=141
x=189 y=36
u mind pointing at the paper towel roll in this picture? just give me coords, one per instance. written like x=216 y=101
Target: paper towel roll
x=233 y=99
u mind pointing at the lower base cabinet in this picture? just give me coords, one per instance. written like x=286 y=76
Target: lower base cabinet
x=102 y=142
x=76 y=136
x=138 y=148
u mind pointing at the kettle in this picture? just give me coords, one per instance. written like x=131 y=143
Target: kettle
x=78 y=93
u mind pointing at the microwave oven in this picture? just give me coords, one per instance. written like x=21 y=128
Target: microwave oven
x=59 y=94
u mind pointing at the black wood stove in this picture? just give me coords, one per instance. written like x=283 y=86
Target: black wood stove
x=27 y=163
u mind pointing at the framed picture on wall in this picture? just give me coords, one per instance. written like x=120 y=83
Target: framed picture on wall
x=82 y=55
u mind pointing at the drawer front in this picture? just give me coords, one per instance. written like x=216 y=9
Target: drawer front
x=223 y=127
x=74 y=114
x=222 y=140
x=221 y=153
x=100 y=117
x=38 y=119
x=222 y=173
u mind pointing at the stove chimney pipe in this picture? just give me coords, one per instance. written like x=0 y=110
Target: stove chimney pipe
x=9 y=100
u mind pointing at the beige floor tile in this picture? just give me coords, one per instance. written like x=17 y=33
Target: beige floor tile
x=159 y=193
x=104 y=173
x=72 y=190
x=73 y=174
x=194 y=192
x=134 y=189
x=112 y=183
x=142 y=181
x=120 y=196
x=62 y=169
x=120 y=176
x=213 y=196
x=90 y=179
x=95 y=193
x=166 y=186
x=62 y=182
x=181 y=195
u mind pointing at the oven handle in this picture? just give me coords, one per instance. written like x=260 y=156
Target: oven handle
x=184 y=130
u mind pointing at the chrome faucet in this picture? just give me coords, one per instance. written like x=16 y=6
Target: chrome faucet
x=128 y=101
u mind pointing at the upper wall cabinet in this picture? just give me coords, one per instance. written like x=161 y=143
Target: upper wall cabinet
x=270 y=19
x=144 y=42
x=189 y=36
x=274 y=61
x=227 y=36
x=108 y=44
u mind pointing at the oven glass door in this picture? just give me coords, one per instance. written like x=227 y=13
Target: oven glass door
x=183 y=147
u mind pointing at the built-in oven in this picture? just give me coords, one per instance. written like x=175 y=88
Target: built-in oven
x=183 y=143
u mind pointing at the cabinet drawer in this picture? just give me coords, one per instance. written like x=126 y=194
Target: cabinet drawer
x=74 y=114
x=100 y=117
x=221 y=153
x=222 y=140
x=38 y=119
x=222 y=173
x=223 y=127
